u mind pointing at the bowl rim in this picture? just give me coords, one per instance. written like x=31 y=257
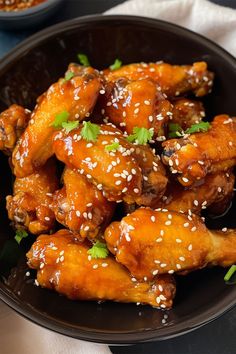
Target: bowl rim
x=30 y=11
x=112 y=338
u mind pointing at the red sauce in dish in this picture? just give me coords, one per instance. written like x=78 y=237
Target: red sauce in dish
x=18 y=5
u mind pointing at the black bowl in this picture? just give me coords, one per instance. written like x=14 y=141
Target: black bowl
x=30 y=17
x=25 y=74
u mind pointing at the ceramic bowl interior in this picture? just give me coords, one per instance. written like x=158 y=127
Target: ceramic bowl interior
x=24 y=75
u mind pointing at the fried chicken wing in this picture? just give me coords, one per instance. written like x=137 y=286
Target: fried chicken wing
x=63 y=264
x=130 y=104
x=80 y=206
x=187 y=112
x=76 y=96
x=29 y=206
x=124 y=173
x=174 y=80
x=196 y=155
x=13 y=122
x=150 y=242
x=214 y=192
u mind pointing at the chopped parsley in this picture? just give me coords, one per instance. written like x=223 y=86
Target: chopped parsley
x=175 y=130
x=230 y=273
x=83 y=59
x=112 y=147
x=59 y=119
x=90 y=131
x=68 y=126
x=20 y=234
x=98 y=250
x=200 y=127
x=116 y=65
x=141 y=135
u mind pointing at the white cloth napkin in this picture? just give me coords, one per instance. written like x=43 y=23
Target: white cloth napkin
x=19 y=336
x=213 y=21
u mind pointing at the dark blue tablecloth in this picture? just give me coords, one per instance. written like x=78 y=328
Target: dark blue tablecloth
x=218 y=337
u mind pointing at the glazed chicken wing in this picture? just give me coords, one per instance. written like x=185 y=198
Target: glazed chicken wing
x=13 y=122
x=214 y=192
x=29 y=206
x=76 y=97
x=80 y=206
x=174 y=80
x=130 y=104
x=150 y=242
x=121 y=173
x=196 y=155
x=187 y=112
x=63 y=264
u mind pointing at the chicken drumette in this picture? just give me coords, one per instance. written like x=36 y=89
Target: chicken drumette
x=63 y=264
x=74 y=97
x=150 y=242
x=194 y=156
x=187 y=112
x=29 y=206
x=80 y=206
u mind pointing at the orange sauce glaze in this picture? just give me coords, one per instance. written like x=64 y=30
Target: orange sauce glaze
x=18 y=5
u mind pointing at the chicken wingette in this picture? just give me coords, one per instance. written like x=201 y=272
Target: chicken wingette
x=74 y=98
x=63 y=264
x=80 y=206
x=174 y=80
x=150 y=242
x=29 y=206
x=194 y=156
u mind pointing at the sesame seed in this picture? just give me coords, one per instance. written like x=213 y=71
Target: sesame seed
x=159 y=239
x=153 y=219
x=186 y=224
x=224 y=229
x=136 y=190
x=104 y=265
x=193 y=228
x=136 y=110
x=195 y=202
x=158 y=300
x=178 y=240
x=86 y=228
x=62 y=258
x=41 y=265
x=184 y=179
x=169 y=216
x=61 y=253
x=36 y=282
x=95 y=266
x=182 y=259
x=89 y=145
x=163 y=265
x=27 y=274
x=155 y=272
x=171 y=163
x=102 y=92
x=162 y=232
x=168 y=222
x=219 y=189
x=171 y=271
x=78 y=213
x=230 y=143
x=178 y=266
x=190 y=247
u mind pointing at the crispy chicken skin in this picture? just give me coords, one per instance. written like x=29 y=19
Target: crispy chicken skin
x=29 y=206
x=174 y=80
x=140 y=103
x=63 y=264
x=13 y=122
x=121 y=174
x=150 y=242
x=187 y=112
x=196 y=155
x=214 y=193
x=80 y=206
x=76 y=96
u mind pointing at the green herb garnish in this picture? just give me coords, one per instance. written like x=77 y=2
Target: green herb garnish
x=20 y=234
x=112 y=147
x=83 y=59
x=59 y=119
x=141 y=135
x=69 y=76
x=230 y=273
x=90 y=131
x=116 y=65
x=200 y=127
x=98 y=250
x=175 y=130
x=68 y=126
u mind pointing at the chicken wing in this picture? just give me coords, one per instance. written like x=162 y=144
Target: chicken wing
x=63 y=264
x=174 y=80
x=187 y=112
x=130 y=104
x=119 y=172
x=196 y=155
x=150 y=242
x=76 y=96
x=80 y=206
x=214 y=192
x=13 y=122
x=29 y=206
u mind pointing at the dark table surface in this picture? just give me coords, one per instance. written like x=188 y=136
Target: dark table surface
x=218 y=337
